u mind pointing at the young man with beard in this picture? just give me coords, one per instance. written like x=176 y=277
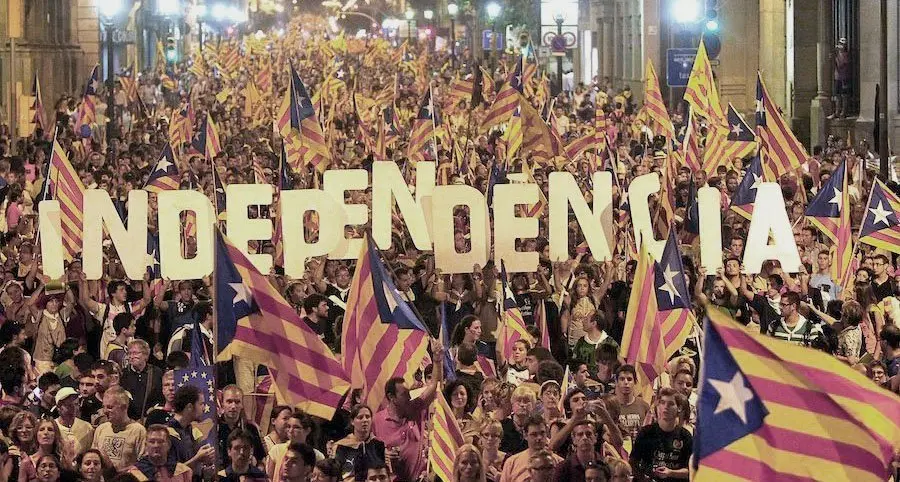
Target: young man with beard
x=662 y=449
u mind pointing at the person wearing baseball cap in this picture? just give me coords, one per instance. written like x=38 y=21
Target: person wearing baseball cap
x=70 y=426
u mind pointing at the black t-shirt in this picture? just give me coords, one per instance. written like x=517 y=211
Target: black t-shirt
x=512 y=441
x=89 y=408
x=883 y=290
x=655 y=447
x=526 y=306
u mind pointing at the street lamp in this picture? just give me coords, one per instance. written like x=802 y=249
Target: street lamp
x=410 y=15
x=685 y=11
x=559 y=18
x=493 y=11
x=429 y=15
x=452 y=10
x=109 y=11
x=200 y=13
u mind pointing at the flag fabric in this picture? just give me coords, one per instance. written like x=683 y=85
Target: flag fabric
x=40 y=116
x=701 y=93
x=724 y=147
x=659 y=120
x=87 y=111
x=512 y=324
x=207 y=142
x=745 y=195
x=422 y=144
x=181 y=126
x=449 y=363
x=659 y=317
x=219 y=194
x=829 y=211
x=266 y=329
x=381 y=337
x=445 y=438
x=780 y=150
x=203 y=378
x=578 y=146
x=538 y=208
x=506 y=100
x=881 y=221
x=692 y=214
x=513 y=136
x=691 y=145
x=297 y=113
x=153 y=266
x=68 y=189
x=164 y=176
x=285 y=183
x=129 y=84
x=769 y=410
x=460 y=90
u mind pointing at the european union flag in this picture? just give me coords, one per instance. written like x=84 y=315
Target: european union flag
x=668 y=278
x=204 y=379
x=233 y=298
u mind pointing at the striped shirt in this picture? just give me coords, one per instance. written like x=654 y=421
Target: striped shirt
x=803 y=333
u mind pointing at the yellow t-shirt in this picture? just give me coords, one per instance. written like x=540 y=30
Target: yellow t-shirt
x=124 y=447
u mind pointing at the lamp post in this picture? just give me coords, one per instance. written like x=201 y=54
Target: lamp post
x=200 y=13
x=493 y=11
x=410 y=15
x=559 y=19
x=452 y=10
x=109 y=11
x=429 y=29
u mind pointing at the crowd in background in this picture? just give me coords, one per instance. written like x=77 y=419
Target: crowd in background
x=87 y=377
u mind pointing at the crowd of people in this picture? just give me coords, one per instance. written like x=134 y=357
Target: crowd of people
x=87 y=377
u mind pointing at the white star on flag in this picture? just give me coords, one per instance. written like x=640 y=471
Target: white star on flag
x=669 y=285
x=733 y=395
x=162 y=165
x=389 y=296
x=757 y=180
x=241 y=293
x=737 y=130
x=837 y=200
x=881 y=214
x=151 y=259
x=340 y=74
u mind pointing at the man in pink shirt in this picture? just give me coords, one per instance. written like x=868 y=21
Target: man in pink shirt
x=401 y=424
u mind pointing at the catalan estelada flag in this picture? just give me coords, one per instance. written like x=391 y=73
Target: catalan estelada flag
x=285 y=183
x=181 y=126
x=701 y=93
x=745 y=195
x=255 y=322
x=659 y=121
x=513 y=136
x=460 y=90
x=445 y=438
x=66 y=187
x=381 y=337
x=659 y=317
x=725 y=146
x=829 y=211
x=769 y=410
x=207 y=141
x=506 y=100
x=422 y=144
x=540 y=143
x=87 y=111
x=297 y=113
x=780 y=150
x=691 y=145
x=578 y=146
x=164 y=176
x=881 y=222
x=512 y=325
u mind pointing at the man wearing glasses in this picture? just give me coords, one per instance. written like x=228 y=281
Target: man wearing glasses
x=794 y=327
x=518 y=466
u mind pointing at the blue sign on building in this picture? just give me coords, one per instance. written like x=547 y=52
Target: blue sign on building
x=679 y=63
x=486 y=40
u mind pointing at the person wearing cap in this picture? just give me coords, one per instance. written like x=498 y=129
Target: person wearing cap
x=73 y=429
x=51 y=314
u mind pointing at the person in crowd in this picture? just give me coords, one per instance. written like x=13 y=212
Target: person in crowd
x=326 y=470
x=75 y=432
x=142 y=380
x=93 y=466
x=523 y=406
x=105 y=313
x=467 y=465
x=240 y=450
x=42 y=402
x=516 y=370
x=49 y=442
x=299 y=428
x=518 y=465
x=584 y=453
x=278 y=424
x=155 y=464
x=162 y=412
x=187 y=408
x=120 y=438
x=125 y=328
x=491 y=455
x=299 y=461
x=231 y=417
x=632 y=409
x=662 y=449
x=380 y=472
x=360 y=450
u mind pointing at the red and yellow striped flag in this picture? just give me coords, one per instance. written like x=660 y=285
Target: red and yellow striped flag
x=67 y=188
x=691 y=146
x=770 y=410
x=659 y=317
x=660 y=122
x=701 y=91
x=780 y=150
x=445 y=438
x=513 y=136
x=512 y=325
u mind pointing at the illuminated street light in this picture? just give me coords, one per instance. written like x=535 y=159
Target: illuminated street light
x=493 y=11
x=168 y=7
x=429 y=14
x=109 y=9
x=686 y=11
x=452 y=9
x=410 y=14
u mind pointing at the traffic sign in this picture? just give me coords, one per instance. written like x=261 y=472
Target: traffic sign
x=486 y=40
x=679 y=63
